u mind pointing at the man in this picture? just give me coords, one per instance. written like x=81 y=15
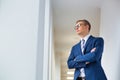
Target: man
x=85 y=56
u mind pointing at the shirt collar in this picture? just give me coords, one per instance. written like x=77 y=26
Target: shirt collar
x=86 y=37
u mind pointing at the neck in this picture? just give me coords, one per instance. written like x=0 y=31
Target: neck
x=83 y=35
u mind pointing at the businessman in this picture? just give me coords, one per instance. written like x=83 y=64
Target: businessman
x=85 y=56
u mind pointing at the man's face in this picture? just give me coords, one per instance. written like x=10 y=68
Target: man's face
x=81 y=28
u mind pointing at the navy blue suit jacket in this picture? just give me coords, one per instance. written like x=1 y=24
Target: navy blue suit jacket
x=76 y=60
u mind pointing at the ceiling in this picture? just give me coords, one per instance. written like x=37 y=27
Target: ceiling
x=65 y=14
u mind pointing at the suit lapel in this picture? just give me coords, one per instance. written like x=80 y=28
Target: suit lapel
x=79 y=45
x=88 y=41
x=79 y=48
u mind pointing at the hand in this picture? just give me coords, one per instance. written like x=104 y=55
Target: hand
x=87 y=63
x=93 y=50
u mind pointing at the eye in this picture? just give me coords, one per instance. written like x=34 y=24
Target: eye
x=77 y=26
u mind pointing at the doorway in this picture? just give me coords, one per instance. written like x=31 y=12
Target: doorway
x=65 y=14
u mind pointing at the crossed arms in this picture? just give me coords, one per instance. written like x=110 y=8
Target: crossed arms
x=82 y=60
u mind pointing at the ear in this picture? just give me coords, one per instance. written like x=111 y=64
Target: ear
x=87 y=26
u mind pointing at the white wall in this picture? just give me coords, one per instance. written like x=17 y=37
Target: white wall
x=18 y=39
x=52 y=74
x=40 y=42
x=53 y=69
x=44 y=52
x=110 y=30
x=58 y=67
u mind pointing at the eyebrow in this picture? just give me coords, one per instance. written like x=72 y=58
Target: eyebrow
x=79 y=24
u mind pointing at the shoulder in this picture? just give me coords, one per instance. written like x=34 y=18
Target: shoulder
x=76 y=45
x=97 y=38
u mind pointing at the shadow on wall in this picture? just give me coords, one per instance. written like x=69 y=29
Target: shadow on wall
x=0 y=3
x=119 y=65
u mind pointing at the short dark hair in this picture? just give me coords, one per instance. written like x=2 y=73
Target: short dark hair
x=86 y=22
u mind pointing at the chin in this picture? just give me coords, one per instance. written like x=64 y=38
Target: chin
x=79 y=33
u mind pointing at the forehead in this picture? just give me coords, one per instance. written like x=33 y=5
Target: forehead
x=81 y=22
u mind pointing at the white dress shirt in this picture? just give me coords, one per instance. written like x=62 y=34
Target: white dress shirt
x=82 y=69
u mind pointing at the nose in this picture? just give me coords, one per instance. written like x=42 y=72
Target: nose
x=77 y=28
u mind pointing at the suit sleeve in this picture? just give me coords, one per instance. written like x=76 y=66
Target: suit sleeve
x=94 y=56
x=72 y=63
